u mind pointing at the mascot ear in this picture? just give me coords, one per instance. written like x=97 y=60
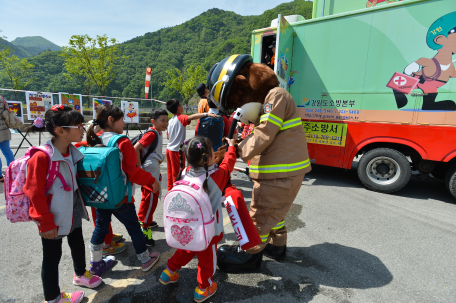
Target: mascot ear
x=241 y=81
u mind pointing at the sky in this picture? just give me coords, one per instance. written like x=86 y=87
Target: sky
x=58 y=20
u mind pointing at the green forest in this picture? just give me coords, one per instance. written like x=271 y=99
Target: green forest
x=203 y=40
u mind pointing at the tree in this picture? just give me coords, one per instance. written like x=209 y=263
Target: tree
x=18 y=71
x=81 y=75
x=93 y=62
x=185 y=82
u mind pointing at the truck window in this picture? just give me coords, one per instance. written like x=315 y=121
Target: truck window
x=266 y=52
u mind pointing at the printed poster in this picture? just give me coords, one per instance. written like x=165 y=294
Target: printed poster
x=98 y=102
x=325 y=133
x=16 y=107
x=131 y=111
x=37 y=104
x=71 y=100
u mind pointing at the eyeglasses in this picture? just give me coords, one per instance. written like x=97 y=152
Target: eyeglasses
x=78 y=127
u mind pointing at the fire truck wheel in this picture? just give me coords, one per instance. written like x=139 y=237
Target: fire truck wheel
x=384 y=170
x=450 y=180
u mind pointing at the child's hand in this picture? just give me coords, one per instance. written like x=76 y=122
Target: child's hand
x=50 y=234
x=213 y=115
x=156 y=187
x=231 y=142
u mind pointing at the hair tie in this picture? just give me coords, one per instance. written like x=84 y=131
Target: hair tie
x=199 y=145
x=94 y=122
x=185 y=142
x=56 y=107
x=203 y=154
x=38 y=122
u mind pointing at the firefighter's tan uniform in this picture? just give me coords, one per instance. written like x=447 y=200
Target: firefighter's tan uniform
x=277 y=150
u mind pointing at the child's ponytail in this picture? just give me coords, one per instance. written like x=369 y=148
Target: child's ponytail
x=203 y=151
x=181 y=158
x=103 y=113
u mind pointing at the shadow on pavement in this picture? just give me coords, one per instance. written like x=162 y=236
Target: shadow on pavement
x=328 y=269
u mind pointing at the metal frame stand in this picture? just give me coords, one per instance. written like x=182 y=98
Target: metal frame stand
x=24 y=138
x=137 y=125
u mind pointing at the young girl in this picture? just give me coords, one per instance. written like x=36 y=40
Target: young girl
x=58 y=212
x=200 y=157
x=110 y=120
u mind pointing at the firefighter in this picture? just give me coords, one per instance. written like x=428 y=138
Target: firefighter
x=277 y=150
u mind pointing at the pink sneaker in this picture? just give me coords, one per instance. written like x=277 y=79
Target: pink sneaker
x=153 y=259
x=75 y=297
x=87 y=280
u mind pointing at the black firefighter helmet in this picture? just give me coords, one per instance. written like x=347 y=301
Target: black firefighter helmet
x=230 y=67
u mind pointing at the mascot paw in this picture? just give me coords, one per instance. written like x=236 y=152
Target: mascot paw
x=220 y=153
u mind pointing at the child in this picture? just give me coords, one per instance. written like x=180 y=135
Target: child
x=59 y=213
x=111 y=246
x=149 y=201
x=201 y=160
x=176 y=136
x=215 y=138
x=110 y=119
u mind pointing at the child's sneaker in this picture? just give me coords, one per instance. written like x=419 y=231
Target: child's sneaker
x=148 y=236
x=153 y=259
x=166 y=277
x=97 y=268
x=87 y=280
x=75 y=297
x=117 y=237
x=201 y=296
x=153 y=224
x=114 y=248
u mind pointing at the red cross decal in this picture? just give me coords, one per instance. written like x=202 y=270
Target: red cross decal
x=399 y=80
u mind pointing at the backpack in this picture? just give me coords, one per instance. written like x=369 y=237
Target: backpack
x=100 y=176
x=17 y=203
x=187 y=214
x=151 y=148
x=212 y=128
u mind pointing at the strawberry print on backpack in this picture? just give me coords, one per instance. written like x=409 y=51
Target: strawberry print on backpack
x=17 y=203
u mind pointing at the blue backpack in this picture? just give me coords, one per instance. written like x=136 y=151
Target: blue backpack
x=212 y=128
x=100 y=176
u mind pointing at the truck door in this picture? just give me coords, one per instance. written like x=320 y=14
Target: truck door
x=284 y=52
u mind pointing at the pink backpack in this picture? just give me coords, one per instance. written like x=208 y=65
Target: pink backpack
x=187 y=214
x=17 y=203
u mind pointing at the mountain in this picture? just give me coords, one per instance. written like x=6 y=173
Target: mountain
x=204 y=40
x=26 y=47
x=36 y=42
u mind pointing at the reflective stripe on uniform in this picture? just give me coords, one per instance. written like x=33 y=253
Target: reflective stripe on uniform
x=279 y=122
x=279 y=225
x=264 y=238
x=272 y=118
x=291 y=123
x=279 y=168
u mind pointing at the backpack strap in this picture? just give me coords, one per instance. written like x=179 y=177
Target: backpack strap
x=111 y=143
x=53 y=169
x=152 y=147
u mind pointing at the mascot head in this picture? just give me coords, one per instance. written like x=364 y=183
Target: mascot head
x=236 y=81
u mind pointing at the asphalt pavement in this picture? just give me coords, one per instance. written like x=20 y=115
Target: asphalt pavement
x=345 y=244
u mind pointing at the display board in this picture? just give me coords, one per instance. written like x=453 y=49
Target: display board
x=71 y=100
x=99 y=102
x=37 y=104
x=131 y=111
x=16 y=107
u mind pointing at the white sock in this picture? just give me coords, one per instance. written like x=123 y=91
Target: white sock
x=96 y=252
x=144 y=257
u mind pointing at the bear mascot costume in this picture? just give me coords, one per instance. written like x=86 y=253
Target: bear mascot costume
x=277 y=150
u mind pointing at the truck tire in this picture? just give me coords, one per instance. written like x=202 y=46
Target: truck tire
x=384 y=170
x=450 y=180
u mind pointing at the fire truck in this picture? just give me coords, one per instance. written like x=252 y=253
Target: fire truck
x=373 y=80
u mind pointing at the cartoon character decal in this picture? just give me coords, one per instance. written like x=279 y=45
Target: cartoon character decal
x=372 y=3
x=430 y=74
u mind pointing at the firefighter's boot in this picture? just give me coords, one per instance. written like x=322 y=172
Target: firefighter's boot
x=234 y=259
x=275 y=252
